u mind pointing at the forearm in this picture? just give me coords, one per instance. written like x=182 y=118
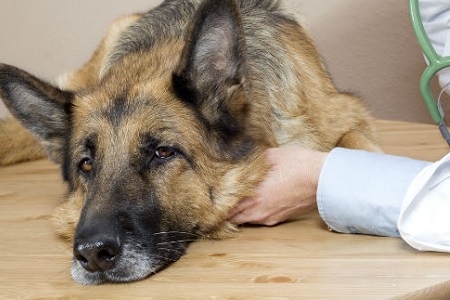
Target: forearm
x=362 y=192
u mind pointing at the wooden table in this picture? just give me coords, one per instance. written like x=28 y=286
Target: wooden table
x=297 y=260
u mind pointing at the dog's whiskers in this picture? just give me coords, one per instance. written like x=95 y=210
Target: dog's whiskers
x=165 y=258
x=176 y=233
x=172 y=250
x=176 y=242
x=66 y=249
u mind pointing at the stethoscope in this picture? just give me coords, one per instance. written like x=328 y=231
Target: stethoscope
x=436 y=64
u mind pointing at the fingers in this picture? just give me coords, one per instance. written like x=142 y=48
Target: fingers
x=239 y=215
x=288 y=191
x=249 y=217
x=238 y=219
x=250 y=211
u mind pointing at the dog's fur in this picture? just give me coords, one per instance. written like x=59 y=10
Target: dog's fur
x=160 y=134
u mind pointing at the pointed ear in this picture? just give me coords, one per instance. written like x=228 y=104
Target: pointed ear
x=212 y=70
x=41 y=108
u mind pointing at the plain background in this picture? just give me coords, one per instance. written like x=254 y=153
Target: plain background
x=368 y=46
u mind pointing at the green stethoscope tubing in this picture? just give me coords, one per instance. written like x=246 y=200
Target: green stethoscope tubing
x=436 y=63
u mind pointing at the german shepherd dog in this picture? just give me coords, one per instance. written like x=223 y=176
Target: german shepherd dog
x=162 y=132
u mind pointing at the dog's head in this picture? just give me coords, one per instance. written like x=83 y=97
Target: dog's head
x=156 y=154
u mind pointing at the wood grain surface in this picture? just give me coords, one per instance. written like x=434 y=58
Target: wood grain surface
x=296 y=260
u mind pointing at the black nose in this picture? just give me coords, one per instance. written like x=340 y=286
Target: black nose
x=97 y=253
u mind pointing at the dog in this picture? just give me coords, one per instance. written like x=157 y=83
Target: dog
x=162 y=132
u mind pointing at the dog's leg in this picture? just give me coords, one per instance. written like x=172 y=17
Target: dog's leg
x=350 y=120
x=355 y=139
x=17 y=144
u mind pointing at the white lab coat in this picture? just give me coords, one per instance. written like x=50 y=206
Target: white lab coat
x=380 y=194
x=424 y=221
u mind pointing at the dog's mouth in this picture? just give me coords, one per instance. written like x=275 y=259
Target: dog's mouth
x=132 y=265
x=102 y=263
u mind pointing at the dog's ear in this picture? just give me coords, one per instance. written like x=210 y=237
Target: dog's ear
x=41 y=108
x=212 y=70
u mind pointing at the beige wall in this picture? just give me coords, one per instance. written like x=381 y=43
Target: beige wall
x=367 y=45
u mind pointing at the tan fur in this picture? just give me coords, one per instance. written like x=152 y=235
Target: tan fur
x=339 y=118
x=283 y=96
x=236 y=182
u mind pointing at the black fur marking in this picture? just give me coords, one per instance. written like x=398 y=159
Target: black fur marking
x=66 y=164
x=91 y=145
x=186 y=94
x=229 y=134
x=184 y=91
x=225 y=125
x=118 y=111
x=121 y=109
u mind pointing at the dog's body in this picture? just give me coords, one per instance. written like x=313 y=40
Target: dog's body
x=159 y=135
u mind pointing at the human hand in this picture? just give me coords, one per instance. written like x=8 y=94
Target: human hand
x=288 y=191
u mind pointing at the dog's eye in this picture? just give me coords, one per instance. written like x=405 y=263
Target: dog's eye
x=165 y=152
x=86 y=166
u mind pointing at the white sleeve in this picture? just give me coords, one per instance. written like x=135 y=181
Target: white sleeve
x=435 y=15
x=362 y=192
x=424 y=221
